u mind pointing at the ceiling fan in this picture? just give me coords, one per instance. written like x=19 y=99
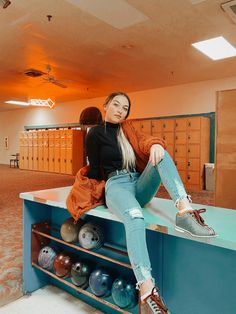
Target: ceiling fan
x=48 y=78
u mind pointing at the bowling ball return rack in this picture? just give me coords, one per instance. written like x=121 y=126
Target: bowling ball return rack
x=43 y=233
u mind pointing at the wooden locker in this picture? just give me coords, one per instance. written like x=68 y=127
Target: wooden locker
x=40 y=151
x=57 y=162
x=35 y=150
x=22 y=150
x=146 y=126
x=63 y=136
x=156 y=128
x=45 y=150
x=26 y=151
x=75 y=151
x=30 y=150
x=51 y=152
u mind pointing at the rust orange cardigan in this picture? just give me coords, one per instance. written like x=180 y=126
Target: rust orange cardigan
x=88 y=193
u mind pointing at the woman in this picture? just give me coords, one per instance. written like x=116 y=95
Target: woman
x=133 y=166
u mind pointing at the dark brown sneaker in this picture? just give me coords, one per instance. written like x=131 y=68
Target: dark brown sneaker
x=153 y=304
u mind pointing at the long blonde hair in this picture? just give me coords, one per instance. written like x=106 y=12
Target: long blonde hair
x=128 y=156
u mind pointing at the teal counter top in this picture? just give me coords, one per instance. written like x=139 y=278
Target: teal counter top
x=159 y=216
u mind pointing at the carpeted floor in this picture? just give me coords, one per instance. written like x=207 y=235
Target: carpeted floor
x=12 y=182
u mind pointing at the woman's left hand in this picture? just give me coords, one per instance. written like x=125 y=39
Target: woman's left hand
x=156 y=154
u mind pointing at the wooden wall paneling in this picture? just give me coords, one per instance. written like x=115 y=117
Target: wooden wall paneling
x=30 y=150
x=225 y=166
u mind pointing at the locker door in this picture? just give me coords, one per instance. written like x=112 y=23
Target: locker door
x=69 y=157
x=35 y=150
x=146 y=126
x=156 y=128
x=30 y=150
x=63 y=150
x=57 y=167
x=21 y=150
x=26 y=150
x=40 y=150
x=194 y=123
x=181 y=124
x=167 y=125
x=45 y=151
x=51 y=150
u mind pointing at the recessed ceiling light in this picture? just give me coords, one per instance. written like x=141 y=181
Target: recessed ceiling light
x=216 y=48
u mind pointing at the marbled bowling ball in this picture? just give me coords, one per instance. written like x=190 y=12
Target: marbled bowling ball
x=70 y=229
x=91 y=236
x=80 y=274
x=46 y=257
x=124 y=293
x=62 y=265
x=100 y=282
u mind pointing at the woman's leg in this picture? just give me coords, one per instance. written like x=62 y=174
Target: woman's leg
x=151 y=178
x=121 y=201
x=187 y=220
x=120 y=198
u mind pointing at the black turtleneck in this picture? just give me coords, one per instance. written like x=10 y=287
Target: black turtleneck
x=103 y=151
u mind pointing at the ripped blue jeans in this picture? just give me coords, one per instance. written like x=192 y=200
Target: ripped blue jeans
x=126 y=194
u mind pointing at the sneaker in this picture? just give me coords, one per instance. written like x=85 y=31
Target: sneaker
x=154 y=304
x=193 y=223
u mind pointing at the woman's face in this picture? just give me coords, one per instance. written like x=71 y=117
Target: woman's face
x=117 y=109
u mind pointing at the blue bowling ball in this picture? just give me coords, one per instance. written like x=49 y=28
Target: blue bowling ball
x=100 y=282
x=46 y=257
x=124 y=293
x=91 y=236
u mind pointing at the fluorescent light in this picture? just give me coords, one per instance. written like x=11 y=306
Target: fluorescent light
x=16 y=102
x=216 y=48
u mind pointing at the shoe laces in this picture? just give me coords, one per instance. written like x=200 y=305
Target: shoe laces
x=196 y=214
x=156 y=303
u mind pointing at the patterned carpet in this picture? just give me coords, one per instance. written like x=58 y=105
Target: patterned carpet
x=14 y=181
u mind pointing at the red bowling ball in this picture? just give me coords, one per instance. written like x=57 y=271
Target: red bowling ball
x=62 y=265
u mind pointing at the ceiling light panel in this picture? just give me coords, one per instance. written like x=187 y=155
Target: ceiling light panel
x=216 y=48
x=117 y=13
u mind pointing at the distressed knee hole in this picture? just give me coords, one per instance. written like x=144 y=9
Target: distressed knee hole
x=134 y=213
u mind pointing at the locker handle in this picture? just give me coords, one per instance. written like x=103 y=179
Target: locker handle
x=176 y=137
x=189 y=150
x=176 y=124
x=53 y=159
x=176 y=150
x=176 y=163
x=189 y=177
x=65 y=160
x=164 y=137
x=164 y=125
x=189 y=124
x=59 y=160
x=189 y=137
x=188 y=163
x=37 y=158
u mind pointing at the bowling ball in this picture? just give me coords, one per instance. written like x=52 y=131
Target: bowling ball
x=70 y=229
x=80 y=274
x=62 y=265
x=100 y=282
x=91 y=236
x=46 y=257
x=124 y=293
